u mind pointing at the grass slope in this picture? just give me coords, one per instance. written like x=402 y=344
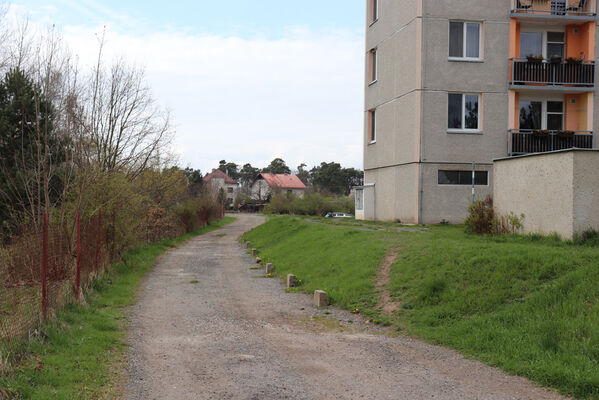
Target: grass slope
x=340 y=261
x=75 y=356
x=526 y=304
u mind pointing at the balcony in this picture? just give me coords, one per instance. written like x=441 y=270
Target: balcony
x=574 y=10
x=524 y=141
x=549 y=73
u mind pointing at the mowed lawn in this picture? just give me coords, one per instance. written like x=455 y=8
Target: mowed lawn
x=526 y=304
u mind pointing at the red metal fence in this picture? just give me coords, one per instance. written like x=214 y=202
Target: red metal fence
x=46 y=267
x=42 y=269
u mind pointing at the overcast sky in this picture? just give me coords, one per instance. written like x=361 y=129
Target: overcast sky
x=245 y=80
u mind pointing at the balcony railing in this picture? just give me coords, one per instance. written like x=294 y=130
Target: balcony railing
x=550 y=72
x=555 y=8
x=524 y=141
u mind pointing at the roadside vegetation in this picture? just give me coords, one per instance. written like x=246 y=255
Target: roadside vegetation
x=86 y=175
x=80 y=354
x=314 y=204
x=527 y=304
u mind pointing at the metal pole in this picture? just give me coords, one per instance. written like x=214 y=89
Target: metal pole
x=473 y=177
x=44 y=265
x=78 y=270
x=98 y=236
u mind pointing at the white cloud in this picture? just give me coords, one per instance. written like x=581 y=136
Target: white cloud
x=249 y=100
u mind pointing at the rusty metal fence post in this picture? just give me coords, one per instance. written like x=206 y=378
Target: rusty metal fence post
x=44 y=266
x=99 y=229
x=78 y=265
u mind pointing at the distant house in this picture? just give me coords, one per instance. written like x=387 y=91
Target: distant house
x=268 y=184
x=219 y=180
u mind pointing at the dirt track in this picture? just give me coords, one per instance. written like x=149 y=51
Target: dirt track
x=236 y=335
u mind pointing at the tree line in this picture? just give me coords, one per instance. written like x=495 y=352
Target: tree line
x=76 y=140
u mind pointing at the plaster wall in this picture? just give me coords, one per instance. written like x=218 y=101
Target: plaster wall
x=542 y=187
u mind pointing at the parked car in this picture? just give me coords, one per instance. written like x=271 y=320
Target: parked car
x=338 y=215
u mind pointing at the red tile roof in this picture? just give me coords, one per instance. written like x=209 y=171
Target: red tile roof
x=283 y=181
x=218 y=174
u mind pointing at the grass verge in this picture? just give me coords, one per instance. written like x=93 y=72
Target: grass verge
x=74 y=356
x=526 y=304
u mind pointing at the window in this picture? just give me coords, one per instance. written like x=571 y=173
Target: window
x=373 y=65
x=374 y=11
x=230 y=190
x=481 y=178
x=542 y=114
x=463 y=112
x=465 y=40
x=531 y=44
x=546 y=44
x=359 y=199
x=555 y=115
x=555 y=44
x=372 y=126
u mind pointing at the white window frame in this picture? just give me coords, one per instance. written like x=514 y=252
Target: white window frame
x=544 y=31
x=465 y=41
x=480 y=108
x=543 y=100
x=374 y=11
x=372 y=125
x=373 y=65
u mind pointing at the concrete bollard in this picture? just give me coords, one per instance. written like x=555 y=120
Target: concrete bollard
x=320 y=298
x=254 y=252
x=290 y=281
x=269 y=268
x=248 y=245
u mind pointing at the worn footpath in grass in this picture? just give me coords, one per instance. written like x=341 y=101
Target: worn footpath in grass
x=78 y=354
x=526 y=304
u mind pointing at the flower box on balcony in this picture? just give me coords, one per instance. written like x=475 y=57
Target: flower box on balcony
x=573 y=60
x=541 y=132
x=566 y=133
x=534 y=59
x=556 y=59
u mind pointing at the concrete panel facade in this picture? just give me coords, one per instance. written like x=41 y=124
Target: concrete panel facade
x=449 y=202
x=395 y=194
x=415 y=76
x=438 y=145
x=557 y=192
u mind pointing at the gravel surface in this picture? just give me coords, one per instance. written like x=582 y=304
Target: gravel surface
x=237 y=335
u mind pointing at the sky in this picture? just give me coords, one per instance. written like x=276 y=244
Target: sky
x=244 y=80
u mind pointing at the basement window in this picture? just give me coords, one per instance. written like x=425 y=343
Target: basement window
x=453 y=177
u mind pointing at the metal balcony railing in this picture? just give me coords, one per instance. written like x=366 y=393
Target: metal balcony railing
x=524 y=141
x=550 y=72
x=556 y=8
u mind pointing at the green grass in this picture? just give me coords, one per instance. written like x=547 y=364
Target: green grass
x=341 y=262
x=77 y=356
x=526 y=304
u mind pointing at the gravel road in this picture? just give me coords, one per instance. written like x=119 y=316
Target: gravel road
x=208 y=327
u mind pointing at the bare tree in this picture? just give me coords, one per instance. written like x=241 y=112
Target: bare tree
x=125 y=128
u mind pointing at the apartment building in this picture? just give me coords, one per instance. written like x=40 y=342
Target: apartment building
x=453 y=84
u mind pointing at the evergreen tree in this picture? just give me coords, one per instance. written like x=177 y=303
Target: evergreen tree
x=27 y=144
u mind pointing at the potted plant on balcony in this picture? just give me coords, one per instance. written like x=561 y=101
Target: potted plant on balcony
x=556 y=59
x=574 y=60
x=565 y=133
x=532 y=58
x=541 y=132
